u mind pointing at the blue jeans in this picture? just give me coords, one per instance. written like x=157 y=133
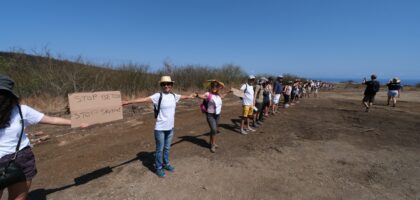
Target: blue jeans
x=163 y=141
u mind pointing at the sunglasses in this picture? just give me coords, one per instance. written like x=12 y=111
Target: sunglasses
x=166 y=84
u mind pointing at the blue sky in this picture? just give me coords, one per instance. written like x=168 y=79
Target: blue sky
x=311 y=38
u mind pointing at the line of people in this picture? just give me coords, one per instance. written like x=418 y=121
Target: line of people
x=16 y=150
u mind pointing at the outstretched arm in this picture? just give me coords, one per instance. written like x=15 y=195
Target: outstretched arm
x=191 y=96
x=138 y=100
x=59 y=121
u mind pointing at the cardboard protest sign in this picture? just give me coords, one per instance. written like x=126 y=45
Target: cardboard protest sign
x=95 y=107
x=238 y=93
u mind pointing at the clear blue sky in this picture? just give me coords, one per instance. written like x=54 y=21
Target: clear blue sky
x=312 y=38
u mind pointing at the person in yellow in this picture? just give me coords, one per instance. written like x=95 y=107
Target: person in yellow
x=248 y=103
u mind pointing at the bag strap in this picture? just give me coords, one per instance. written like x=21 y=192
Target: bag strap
x=21 y=132
x=158 y=107
x=159 y=102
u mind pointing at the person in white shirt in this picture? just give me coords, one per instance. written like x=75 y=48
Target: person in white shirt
x=14 y=144
x=248 y=103
x=165 y=105
x=212 y=101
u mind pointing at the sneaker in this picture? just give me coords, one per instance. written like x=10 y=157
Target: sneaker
x=256 y=125
x=213 y=149
x=244 y=132
x=250 y=129
x=160 y=173
x=169 y=168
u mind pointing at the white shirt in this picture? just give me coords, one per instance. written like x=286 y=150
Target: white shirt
x=9 y=137
x=166 y=117
x=216 y=101
x=248 y=99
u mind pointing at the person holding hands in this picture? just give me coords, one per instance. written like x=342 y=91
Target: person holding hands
x=165 y=104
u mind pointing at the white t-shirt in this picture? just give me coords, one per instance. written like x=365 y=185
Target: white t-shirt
x=9 y=137
x=216 y=101
x=248 y=99
x=166 y=117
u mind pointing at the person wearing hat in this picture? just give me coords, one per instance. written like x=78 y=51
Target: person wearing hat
x=165 y=105
x=277 y=90
x=213 y=108
x=394 y=90
x=248 y=103
x=14 y=143
x=372 y=87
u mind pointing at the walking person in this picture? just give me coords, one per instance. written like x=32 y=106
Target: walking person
x=394 y=91
x=15 y=147
x=212 y=103
x=372 y=87
x=165 y=105
x=248 y=103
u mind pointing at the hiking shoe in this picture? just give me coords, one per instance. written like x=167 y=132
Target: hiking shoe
x=244 y=132
x=160 y=173
x=169 y=168
x=213 y=149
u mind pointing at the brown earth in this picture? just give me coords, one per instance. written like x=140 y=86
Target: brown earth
x=323 y=148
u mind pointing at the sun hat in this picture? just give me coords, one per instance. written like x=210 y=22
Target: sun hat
x=7 y=84
x=214 y=80
x=263 y=79
x=166 y=79
x=251 y=77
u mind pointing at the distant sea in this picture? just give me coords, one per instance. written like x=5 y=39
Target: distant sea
x=411 y=82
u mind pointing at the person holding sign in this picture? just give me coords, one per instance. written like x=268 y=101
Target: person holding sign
x=17 y=161
x=212 y=107
x=165 y=105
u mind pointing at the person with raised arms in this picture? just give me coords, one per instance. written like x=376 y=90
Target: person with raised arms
x=165 y=105
x=17 y=161
x=212 y=107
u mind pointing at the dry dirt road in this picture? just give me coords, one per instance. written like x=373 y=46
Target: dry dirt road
x=324 y=148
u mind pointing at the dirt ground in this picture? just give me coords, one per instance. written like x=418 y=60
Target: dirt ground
x=323 y=148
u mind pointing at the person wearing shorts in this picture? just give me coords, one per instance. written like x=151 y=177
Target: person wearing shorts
x=372 y=87
x=12 y=114
x=277 y=90
x=394 y=90
x=248 y=102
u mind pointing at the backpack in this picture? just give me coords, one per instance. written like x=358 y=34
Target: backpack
x=156 y=109
x=246 y=89
x=205 y=104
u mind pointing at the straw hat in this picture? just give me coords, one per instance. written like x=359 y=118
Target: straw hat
x=7 y=84
x=166 y=79
x=214 y=80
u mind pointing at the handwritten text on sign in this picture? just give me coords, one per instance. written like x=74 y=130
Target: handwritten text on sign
x=95 y=107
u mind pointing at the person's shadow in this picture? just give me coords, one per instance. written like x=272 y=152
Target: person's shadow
x=236 y=124
x=146 y=159
x=194 y=139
